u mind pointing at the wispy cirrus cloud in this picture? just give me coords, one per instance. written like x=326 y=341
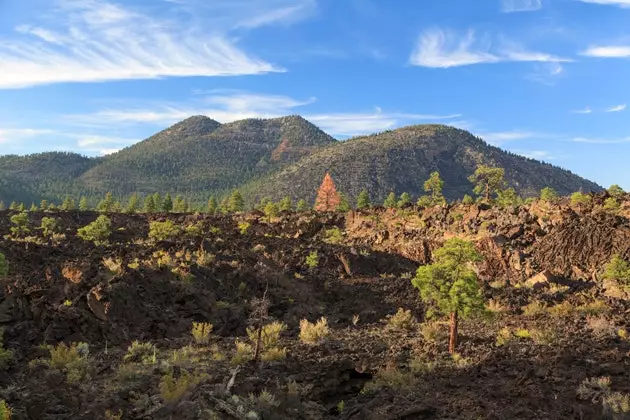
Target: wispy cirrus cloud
x=594 y=140
x=617 y=108
x=586 y=110
x=97 y=41
x=513 y=6
x=17 y=134
x=285 y=15
x=607 y=51
x=618 y=3
x=440 y=48
x=499 y=137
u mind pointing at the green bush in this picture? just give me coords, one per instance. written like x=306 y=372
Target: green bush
x=580 y=199
x=333 y=236
x=5 y=410
x=618 y=270
x=20 y=221
x=98 y=231
x=162 y=231
x=312 y=261
x=48 y=226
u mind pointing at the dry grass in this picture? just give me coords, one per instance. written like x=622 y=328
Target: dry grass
x=114 y=265
x=402 y=320
x=594 y=389
x=173 y=389
x=201 y=332
x=534 y=309
x=314 y=333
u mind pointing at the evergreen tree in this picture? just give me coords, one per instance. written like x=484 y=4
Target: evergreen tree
x=405 y=199
x=83 y=204
x=301 y=205
x=548 y=195
x=286 y=204
x=271 y=210
x=132 y=204
x=390 y=202
x=327 y=196
x=68 y=204
x=225 y=205
x=468 y=199
x=33 y=207
x=212 y=205
x=2 y=206
x=22 y=207
x=616 y=191
x=450 y=283
x=117 y=207
x=344 y=204
x=236 y=202
x=157 y=202
x=262 y=204
x=487 y=181
x=167 y=205
x=508 y=197
x=44 y=205
x=179 y=205
x=14 y=205
x=52 y=206
x=363 y=200
x=149 y=204
x=434 y=185
x=106 y=204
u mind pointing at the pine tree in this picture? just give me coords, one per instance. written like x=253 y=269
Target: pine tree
x=405 y=199
x=14 y=205
x=106 y=204
x=616 y=191
x=149 y=204
x=157 y=202
x=344 y=204
x=2 y=206
x=236 y=202
x=33 y=207
x=68 y=204
x=167 y=205
x=363 y=200
x=327 y=196
x=22 y=207
x=43 y=205
x=301 y=205
x=434 y=185
x=225 y=205
x=212 y=205
x=468 y=199
x=390 y=202
x=450 y=283
x=83 y=204
x=487 y=181
x=548 y=195
x=271 y=210
x=286 y=204
x=179 y=205
x=132 y=204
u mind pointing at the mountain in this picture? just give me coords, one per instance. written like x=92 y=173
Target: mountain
x=273 y=158
x=402 y=159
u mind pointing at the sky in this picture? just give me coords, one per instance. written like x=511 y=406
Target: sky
x=546 y=79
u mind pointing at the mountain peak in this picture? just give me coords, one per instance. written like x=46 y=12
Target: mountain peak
x=197 y=125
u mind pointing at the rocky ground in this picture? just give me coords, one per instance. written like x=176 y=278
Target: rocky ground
x=551 y=322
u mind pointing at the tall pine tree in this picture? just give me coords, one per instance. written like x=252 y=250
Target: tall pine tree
x=327 y=196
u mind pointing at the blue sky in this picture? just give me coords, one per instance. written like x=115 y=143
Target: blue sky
x=543 y=78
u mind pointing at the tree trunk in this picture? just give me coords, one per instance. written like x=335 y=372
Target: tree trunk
x=487 y=192
x=452 y=342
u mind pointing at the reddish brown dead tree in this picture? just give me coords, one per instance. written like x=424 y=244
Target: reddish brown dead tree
x=327 y=196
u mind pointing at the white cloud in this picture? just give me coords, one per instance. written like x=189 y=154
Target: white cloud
x=619 y=3
x=440 y=48
x=543 y=155
x=546 y=73
x=10 y=135
x=586 y=110
x=617 y=108
x=619 y=51
x=100 y=41
x=601 y=141
x=285 y=15
x=511 y=6
x=105 y=152
x=501 y=137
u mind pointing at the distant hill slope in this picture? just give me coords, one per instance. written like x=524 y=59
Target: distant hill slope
x=402 y=159
x=273 y=158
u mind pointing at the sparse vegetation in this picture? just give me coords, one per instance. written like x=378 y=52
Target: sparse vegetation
x=201 y=332
x=98 y=231
x=162 y=231
x=314 y=333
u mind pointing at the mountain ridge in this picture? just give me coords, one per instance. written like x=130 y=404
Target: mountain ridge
x=274 y=157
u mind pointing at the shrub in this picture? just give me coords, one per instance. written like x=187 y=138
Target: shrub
x=544 y=336
x=48 y=226
x=534 y=309
x=243 y=227
x=402 y=320
x=139 y=352
x=244 y=353
x=162 y=231
x=548 y=195
x=109 y=415
x=113 y=265
x=504 y=336
x=333 y=236
x=172 y=389
x=274 y=354
x=5 y=355
x=20 y=221
x=270 y=335
x=5 y=411
x=73 y=360
x=580 y=199
x=201 y=332
x=600 y=326
x=522 y=333
x=98 y=231
x=611 y=204
x=594 y=389
x=433 y=331
x=312 y=261
x=4 y=266
x=616 y=403
x=617 y=270
x=468 y=199
x=390 y=377
x=314 y=333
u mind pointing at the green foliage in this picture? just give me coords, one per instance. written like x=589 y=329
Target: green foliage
x=68 y=204
x=4 y=266
x=271 y=210
x=201 y=332
x=312 y=260
x=424 y=201
x=107 y=204
x=618 y=270
x=33 y=207
x=548 y=195
x=43 y=205
x=616 y=191
x=5 y=411
x=270 y=335
x=98 y=231
x=13 y=206
x=83 y=204
x=405 y=200
x=157 y=202
x=132 y=204
x=2 y=206
x=49 y=226
x=162 y=231
x=5 y=355
x=286 y=204
x=508 y=198
x=333 y=235
x=301 y=205
x=390 y=202
x=149 y=204
x=20 y=221
x=363 y=200
x=487 y=181
x=580 y=199
x=73 y=360
x=402 y=320
x=141 y=352
x=212 y=205
x=243 y=227
x=344 y=204
x=236 y=202
x=611 y=204
x=179 y=205
x=314 y=333
x=434 y=185
x=449 y=283
x=173 y=389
